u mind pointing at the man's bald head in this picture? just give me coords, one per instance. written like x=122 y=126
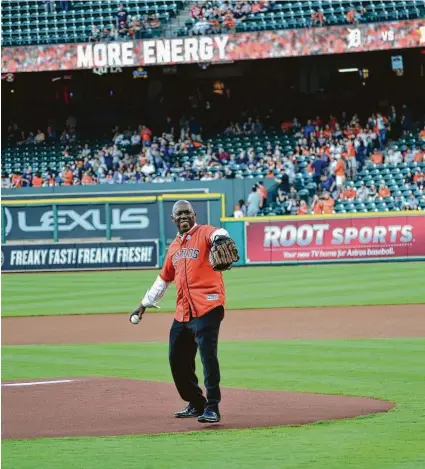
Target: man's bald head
x=183 y=216
x=181 y=203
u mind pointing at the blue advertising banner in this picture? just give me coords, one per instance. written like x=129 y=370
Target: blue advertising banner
x=80 y=256
x=128 y=221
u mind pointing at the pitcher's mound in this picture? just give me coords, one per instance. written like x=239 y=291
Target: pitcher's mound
x=110 y=406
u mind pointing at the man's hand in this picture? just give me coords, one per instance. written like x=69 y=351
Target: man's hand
x=140 y=310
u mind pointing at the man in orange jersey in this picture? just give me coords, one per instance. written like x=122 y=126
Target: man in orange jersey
x=199 y=310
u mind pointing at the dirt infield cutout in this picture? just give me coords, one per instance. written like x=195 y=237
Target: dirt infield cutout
x=62 y=407
x=287 y=323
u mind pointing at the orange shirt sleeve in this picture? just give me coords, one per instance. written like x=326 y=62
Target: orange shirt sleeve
x=168 y=272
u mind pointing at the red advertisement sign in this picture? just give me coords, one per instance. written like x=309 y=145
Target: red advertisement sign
x=333 y=239
x=218 y=48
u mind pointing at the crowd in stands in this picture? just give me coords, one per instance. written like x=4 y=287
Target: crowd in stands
x=126 y=27
x=214 y=17
x=337 y=152
x=17 y=136
x=330 y=155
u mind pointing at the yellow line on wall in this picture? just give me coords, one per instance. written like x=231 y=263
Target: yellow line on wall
x=91 y=200
x=190 y=196
x=320 y=217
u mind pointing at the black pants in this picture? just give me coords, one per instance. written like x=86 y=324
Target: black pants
x=185 y=339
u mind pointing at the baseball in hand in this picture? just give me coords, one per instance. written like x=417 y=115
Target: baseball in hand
x=135 y=319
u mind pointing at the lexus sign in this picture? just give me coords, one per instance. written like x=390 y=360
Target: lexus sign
x=79 y=221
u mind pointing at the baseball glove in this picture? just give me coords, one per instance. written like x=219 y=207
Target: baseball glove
x=223 y=253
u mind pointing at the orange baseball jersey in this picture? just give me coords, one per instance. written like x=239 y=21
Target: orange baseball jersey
x=199 y=288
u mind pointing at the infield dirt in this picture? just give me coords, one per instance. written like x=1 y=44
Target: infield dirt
x=249 y=324
x=111 y=406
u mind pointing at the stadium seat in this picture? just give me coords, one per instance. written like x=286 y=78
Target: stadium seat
x=28 y=22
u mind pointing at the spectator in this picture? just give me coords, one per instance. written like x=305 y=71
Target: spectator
x=135 y=28
x=201 y=27
x=123 y=30
x=87 y=179
x=349 y=193
x=293 y=204
x=196 y=11
x=363 y=193
x=412 y=202
x=27 y=178
x=393 y=157
x=113 y=33
x=95 y=34
x=408 y=179
x=243 y=206
x=195 y=129
x=339 y=172
x=308 y=129
x=6 y=182
x=328 y=203
x=16 y=180
x=303 y=208
x=121 y=15
x=146 y=135
x=328 y=183
x=155 y=22
x=317 y=18
x=419 y=156
x=421 y=184
x=86 y=150
x=229 y=21
x=418 y=176
x=382 y=130
x=237 y=213
x=254 y=202
x=353 y=16
x=135 y=139
x=31 y=138
x=377 y=158
x=263 y=192
x=373 y=193
x=398 y=204
x=40 y=137
x=67 y=176
x=317 y=166
x=384 y=192
x=37 y=180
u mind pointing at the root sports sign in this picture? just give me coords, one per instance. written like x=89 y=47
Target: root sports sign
x=335 y=239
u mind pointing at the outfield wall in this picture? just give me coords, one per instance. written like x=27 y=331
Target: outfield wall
x=332 y=238
x=95 y=233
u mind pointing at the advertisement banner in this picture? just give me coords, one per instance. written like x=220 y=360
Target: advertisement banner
x=335 y=240
x=81 y=256
x=128 y=221
x=217 y=48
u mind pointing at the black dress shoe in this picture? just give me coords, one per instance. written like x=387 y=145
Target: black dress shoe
x=188 y=412
x=209 y=416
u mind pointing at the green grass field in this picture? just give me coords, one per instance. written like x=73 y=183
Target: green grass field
x=391 y=369
x=254 y=287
